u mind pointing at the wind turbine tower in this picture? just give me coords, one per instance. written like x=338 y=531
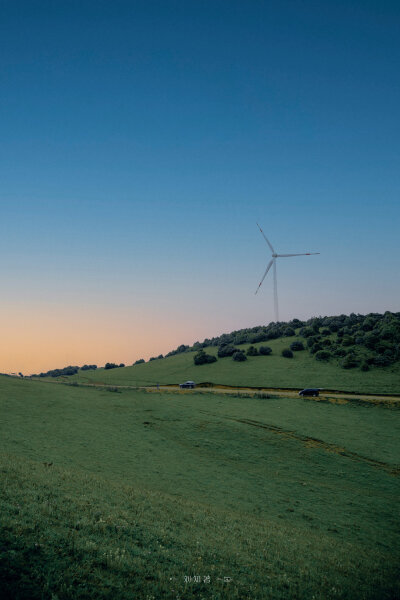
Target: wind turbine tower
x=271 y=263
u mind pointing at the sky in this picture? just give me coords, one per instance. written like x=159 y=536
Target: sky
x=141 y=142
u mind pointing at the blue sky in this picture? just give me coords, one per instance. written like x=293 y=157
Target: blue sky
x=141 y=141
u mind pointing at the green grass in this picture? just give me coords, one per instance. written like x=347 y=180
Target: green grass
x=289 y=498
x=260 y=371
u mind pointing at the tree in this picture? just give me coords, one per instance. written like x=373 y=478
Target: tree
x=139 y=361
x=287 y=353
x=239 y=356
x=110 y=366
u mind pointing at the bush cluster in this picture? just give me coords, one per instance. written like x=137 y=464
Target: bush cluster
x=226 y=350
x=265 y=350
x=202 y=358
x=296 y=346
x=252 y=351
x=59 y=372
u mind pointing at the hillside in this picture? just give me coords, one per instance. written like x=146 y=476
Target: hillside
x=135 y=494
x=259 y=371
x=355 y=353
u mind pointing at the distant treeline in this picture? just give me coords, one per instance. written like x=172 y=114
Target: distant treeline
x=70 y=370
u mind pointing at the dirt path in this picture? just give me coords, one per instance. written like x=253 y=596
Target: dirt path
x=332 y=396
x=324 y=396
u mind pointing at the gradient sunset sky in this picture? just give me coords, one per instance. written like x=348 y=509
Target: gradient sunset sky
x=142 y=141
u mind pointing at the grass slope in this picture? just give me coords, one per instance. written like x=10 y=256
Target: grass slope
x=259 y=371
x=288 y=499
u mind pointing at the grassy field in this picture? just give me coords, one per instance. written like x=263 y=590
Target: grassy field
x=259 y=371
x=139 y=494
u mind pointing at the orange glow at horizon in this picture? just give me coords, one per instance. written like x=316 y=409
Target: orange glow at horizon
x=36 y=340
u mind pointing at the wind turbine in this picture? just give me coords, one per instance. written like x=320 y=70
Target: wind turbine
x=273 y=262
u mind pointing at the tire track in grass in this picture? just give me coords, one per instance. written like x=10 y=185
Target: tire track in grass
x=311 y=442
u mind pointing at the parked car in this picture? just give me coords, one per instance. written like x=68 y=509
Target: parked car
x=187 y=384
x=310 y=392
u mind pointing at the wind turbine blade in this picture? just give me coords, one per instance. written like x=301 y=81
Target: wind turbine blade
x=265 y=274
x=266 y=239
x=304 y=254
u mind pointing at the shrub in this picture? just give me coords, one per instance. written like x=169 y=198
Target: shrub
x=326 y=342
x=201 y=358
x=110 y=366
x=139 y=362
x=252 y=351
x=307 y=332
x=239 y=356
x=226 y=350
x=365 y=366
x=371 y=339
x=315 y=348
x=349 y=362
x=323 y=355
x=326 y=331
x=121 y=365
x=296 y=346
x=368 y=324
x=183 y=348
x=260 y=336
x=340 y=352
x=88 y=367
x=312 y=340
x=348 y=340
x=382 y=361
x=265 y=350
x=289 y=331
x=287 y=353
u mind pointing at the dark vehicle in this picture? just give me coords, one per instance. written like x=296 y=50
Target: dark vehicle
x=309 y=392
x=187 y=385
